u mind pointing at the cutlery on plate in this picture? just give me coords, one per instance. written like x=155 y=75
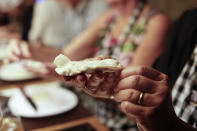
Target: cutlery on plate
x=28 y=98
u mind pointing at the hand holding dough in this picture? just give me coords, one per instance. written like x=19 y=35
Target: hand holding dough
x=99 y=74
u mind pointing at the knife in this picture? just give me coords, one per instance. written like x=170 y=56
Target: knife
x=28 y=98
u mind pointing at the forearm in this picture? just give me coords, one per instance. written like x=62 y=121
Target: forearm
x=82 y=46
x=153 y=43
x=77 y=51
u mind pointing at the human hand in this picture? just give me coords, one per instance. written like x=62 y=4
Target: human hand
x=97 y=84
x=44 y=70
x=145 y=97
x=16 y=51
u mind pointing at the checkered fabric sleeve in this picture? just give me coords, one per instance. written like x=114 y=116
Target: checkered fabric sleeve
x=184 y=90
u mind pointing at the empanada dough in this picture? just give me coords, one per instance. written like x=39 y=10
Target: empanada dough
x=67 y=67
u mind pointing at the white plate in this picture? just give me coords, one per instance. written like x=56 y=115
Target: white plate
x=16 y=72
x=50 y=99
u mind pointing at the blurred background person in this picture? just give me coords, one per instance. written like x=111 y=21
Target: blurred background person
x=57 y=22
x=48 y=25
x=16 y=19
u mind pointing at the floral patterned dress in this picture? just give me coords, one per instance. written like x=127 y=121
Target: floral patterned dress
x=109 y=45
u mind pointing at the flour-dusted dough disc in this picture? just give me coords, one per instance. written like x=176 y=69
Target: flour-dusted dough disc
x=67 y=67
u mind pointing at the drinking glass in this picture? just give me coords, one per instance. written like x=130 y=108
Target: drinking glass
x=9 y=121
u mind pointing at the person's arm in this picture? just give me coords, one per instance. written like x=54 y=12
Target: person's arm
x=83 y=46
x=152 y=44
x=40 y=19
x=9 y=32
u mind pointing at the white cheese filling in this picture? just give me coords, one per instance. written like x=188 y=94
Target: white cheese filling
x=69 y=68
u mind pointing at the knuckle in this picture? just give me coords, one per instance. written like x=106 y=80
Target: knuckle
x=163 y=93
x=124 y=107
x=126 y=95
x=148 y=113
x=142 y=70
x=116 y=98
x=135 y=80
x=127 y=109
x=159 y=100
x=165 y=79
x=132 y=97
x=163 y=86
x=165 y=89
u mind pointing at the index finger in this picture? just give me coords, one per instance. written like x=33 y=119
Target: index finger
x=14 y=47
x=24 y=48
x=142 y=70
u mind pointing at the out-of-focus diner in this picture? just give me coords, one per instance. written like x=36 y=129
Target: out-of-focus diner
x=98 y=65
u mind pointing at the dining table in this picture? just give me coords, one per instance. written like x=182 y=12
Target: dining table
x=79 y=116
x=76 y=119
